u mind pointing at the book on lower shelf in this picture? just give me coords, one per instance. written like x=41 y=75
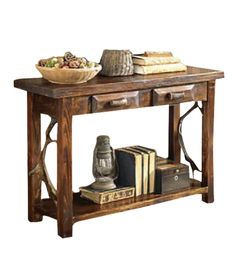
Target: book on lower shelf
x=129 y=169
x=107 y=196
x=136 y=168
x=144 y=168
x=152 y=154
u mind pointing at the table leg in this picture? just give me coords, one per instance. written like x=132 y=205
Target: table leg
x=207 y=143
x=34 y=149
x=64 y=169
x=174 y=147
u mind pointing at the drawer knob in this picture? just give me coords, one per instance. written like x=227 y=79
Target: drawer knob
x=175 y=95
x=118 y=102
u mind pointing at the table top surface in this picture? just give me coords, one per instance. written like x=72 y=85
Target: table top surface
x=102 y=85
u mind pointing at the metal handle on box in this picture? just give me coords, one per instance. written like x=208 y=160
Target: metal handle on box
x=118 y=102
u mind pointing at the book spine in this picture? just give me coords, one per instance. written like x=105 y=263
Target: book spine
x=157 y=54
x=163 y=68
x=155 y=61
x=151 y=166
x=118 y=195
x=152 y=163
x=145 y=172
x=130 y=172
x=138 y=175
x=145 y=168
x=108 y=196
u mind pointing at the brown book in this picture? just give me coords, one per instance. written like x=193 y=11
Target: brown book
x=102 y=197
x=158 y=54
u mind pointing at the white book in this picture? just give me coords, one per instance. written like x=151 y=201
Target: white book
x=161 y=68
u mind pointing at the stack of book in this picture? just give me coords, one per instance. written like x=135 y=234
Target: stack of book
x=136 y=167
x=157 y=62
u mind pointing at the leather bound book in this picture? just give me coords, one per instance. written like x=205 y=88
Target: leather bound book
x=129 y=169
x=151 y=166
x=145 y=169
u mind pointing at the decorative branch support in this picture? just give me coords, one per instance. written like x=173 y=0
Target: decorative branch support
x=41 y=168
x=181 y=141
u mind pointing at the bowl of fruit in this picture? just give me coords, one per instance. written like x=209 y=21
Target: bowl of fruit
x=68 y=69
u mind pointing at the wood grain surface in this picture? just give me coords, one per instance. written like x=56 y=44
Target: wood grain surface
x=85 y=209
x=173 y=142
x=101 y=84
x=207 y=143
x=64 y=169
x=34 y=150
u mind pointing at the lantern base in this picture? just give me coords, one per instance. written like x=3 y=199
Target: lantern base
x=103 y=184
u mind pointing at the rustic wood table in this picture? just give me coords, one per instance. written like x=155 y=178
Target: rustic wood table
x=102 y=94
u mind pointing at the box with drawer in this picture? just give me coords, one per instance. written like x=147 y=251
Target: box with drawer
x=178 y=94
x=115 y=101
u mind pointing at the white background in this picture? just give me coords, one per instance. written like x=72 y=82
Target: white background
x=185 y=237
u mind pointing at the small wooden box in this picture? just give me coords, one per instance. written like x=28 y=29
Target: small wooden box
x=171 y=176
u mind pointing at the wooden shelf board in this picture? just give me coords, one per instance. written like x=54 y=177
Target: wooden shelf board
x=85 y=209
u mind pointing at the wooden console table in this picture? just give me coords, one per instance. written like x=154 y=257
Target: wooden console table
x=102 y=94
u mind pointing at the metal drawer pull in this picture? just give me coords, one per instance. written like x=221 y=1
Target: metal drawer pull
x=175 y=95
x=118 y=102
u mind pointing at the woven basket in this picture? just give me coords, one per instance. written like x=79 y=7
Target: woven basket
x=116 y=63
x=68 y=75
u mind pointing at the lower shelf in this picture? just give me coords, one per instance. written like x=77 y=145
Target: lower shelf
x=85 y=209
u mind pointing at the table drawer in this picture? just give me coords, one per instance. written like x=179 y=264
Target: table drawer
x=179 y=94
x=115 y=101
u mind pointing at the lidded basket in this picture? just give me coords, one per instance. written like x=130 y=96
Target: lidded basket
x=116 y=63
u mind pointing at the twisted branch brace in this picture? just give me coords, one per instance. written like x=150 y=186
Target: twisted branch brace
x=41 y=168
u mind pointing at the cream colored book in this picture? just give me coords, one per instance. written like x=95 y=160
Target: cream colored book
x=145 y=167
x=142 y=60
x=162 y=68
x=151 y=166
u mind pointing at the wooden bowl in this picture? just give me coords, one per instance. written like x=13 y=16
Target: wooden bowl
x=68 y=75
